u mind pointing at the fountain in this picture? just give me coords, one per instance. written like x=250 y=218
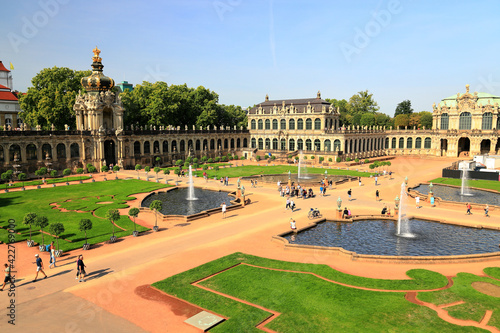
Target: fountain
x=190 y=195
x=403 y=226
x=302 y=170
x=464 y=191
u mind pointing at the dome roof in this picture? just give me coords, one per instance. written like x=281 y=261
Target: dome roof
x=97 y=81
x=482 y=99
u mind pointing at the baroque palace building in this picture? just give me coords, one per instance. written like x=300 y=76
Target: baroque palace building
x=462 y=124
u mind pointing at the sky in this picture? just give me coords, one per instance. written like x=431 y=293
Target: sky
x=422 y=51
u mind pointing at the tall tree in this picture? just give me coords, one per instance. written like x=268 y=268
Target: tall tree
x=403 y=108
x=362 y=102
x=425 y=119
x=401 y=120
x=50 y=100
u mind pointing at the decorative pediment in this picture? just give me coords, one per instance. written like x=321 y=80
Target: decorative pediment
x=467 y=100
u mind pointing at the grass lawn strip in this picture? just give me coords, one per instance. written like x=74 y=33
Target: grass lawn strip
x=47 y=181
x=475 y=304
x=303 y=299
x=76 y=197
x=479 y=183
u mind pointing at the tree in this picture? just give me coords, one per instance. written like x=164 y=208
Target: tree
x=51 y=98
x=414 y=119
x=84 y=225
x=79 y=171
x=113 y=215
x=403 y=108
x=156 y=170
x=367 y=119
x=41 y=222
x=56 y=229
x=158 y=160
x=179 y=162
x=5 y=177
x=138 y=168
x=29 y=219
x=361 y=103
x=425 y=119
x=22 y=177
x=166 y=171
x=116 y=168
x=41 y=172
x=104 y=168
x=401 y=120
x=341 y=106
x=147 y=169
x=134 y=212
x=66 y=173
x=53 y=173
x=155 y=206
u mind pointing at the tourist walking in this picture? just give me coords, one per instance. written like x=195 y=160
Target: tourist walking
x=349 y=193
x=292 y=224
x=469 y=207
x=223 y=205
x=292 y=205
x=80 y=269
x=359 y=181
x=417 y=201
x=8 y=277
x=52 y=249
x=377 y=195
x=376 y=180
x=287 y=203
x=486 y=211
x=39 y=267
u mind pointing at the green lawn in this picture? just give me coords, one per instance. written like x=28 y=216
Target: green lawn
x=15 y=205
x=485 y=184
x=48 y=181
x=251 y=170
x=307 y=303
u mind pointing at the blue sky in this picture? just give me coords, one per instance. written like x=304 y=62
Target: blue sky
x=423 y=50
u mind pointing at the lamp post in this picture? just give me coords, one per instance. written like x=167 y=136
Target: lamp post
x=430 y=189
x=339 y=208
x=406 y=181
x=396 y=205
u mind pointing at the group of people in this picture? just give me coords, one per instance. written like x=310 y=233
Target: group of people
x=224 y=181
x=290 y=204
x=486 y=210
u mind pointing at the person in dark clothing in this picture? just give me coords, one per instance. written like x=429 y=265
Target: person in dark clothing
x=80 y=269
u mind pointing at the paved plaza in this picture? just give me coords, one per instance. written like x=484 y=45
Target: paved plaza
x=116 y=296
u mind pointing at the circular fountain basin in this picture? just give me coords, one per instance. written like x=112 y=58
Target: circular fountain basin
x=378 y=237
x=283 y=178
x=450 y=193
x=175 y=201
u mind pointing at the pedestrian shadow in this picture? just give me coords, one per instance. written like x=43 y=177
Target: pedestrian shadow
x=181 y=224
x=232 y=216
x=28 y=281
x=97 y=274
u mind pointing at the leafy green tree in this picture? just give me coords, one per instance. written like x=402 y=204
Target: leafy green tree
x=403 y=108
x=80 y=172
x=367 y=119
x=204 y=159
x=112 y=216
x=29 y=220
x=66 y=173
x=53 y=173
x=179 y=162
x=6 y=177
x=401 y=120
x=104 y=168
x=147 y=169
x=51 y=98
x=338 y=159
x=158 y=160
x=156 y=170
x=116 y=168
x=41 y=222
x=156 y=206
x=210 y=160
x=361 y=103
x=348 y=159
x=138 y=168
x=56 y=229
x=134 y=212
x=166 y=171
x=22 y=177
x=195 y=160
x=84 y=225
x=425 y=119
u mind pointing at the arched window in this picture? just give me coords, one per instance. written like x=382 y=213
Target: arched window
x=487 y=121
x=386 y=143
x=147 y=148
x=8 y=122
x=238 y=143
x=309 y=124
x=232 y=143
x=13 y=150
x=328 y=145
x=275 y=144
x=465 y=121
x=245 y=143
x=156 y=147
x=182 y=146
x=253 y=143
x=261 y=144
x=2 y=154
x=198 y=145
x=300 y=144
x=291 y=124
x=174 y=146
x=226 y=144
x=75 y=150
x=268 y=143
x=137 y=148
x=165 y=147
x=31 y=152
x=252 y=124
x=275 y=124
x=409 y=143
x=444 y=121
x=46 y=151
x=300 y=124
x=19 y=122
x=219 y=144
x=282 y=124
x=427 y=143
x=61 y=150
x=291 y=144
x=268 y=124
x=401 y=142
x=308 y=144
x=418 y=143
x=283 y=144
x=393 y=143
x=317 y=145
x=336 y=145
x=260 y=124
x=317 y=124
